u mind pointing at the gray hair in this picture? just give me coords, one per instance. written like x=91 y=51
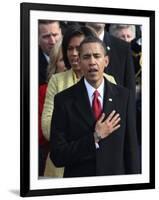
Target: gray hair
x=114 y=28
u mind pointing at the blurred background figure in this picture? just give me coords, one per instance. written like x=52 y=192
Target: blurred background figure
x=56 y=65
x=132 y=35
x=123 y=31
x=49 y=33
x=120 y=57
x=98 y=27
x=136 y=46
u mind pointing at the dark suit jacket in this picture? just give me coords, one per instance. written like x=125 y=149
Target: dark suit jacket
x=121 y=63
x=42 y=68
x=72 y=142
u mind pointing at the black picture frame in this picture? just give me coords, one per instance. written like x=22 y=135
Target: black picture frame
x=25 y=155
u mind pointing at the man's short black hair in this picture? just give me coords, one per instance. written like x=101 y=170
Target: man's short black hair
x=93 y=39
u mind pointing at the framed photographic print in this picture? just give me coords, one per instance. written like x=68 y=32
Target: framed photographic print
x=131 y=63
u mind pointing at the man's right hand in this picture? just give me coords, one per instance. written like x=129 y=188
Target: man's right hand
x=108 y=126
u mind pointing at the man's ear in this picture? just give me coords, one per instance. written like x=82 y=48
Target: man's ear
x=106 y=60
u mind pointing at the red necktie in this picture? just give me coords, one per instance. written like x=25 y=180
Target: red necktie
x=96 y=105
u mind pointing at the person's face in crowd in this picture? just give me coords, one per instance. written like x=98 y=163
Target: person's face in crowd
x=73 y=53
x=49 y=34
x=97 y=26
x=125 y=34
x=60 y=63
x=93 y=61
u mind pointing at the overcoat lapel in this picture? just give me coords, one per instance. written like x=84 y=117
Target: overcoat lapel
x=82 y=103
x=109 y=101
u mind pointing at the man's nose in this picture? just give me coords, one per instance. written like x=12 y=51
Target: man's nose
x=126 y=39
x=52 y=39
x=92 y=60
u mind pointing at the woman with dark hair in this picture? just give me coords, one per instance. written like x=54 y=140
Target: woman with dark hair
x=58 y=82
x=72 y=32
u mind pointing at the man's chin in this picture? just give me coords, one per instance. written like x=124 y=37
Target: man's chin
x=92 y=80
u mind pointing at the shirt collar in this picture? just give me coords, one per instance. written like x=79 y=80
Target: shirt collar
x=91 y=89
x=47 y=57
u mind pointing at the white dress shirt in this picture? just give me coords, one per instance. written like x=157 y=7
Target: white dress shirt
x=90 y=91
x=47 y=57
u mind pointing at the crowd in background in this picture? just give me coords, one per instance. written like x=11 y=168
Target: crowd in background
x=59 y=69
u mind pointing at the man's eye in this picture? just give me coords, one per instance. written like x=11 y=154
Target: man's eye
x=55 y=35
x=86 y=57
x=97 y=56
x=45 y=36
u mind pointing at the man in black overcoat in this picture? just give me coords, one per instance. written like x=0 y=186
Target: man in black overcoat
x=87 y=144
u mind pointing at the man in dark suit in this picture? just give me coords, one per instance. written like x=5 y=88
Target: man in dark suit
x=49 y=34
x=93 y=125
x=120 y=57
